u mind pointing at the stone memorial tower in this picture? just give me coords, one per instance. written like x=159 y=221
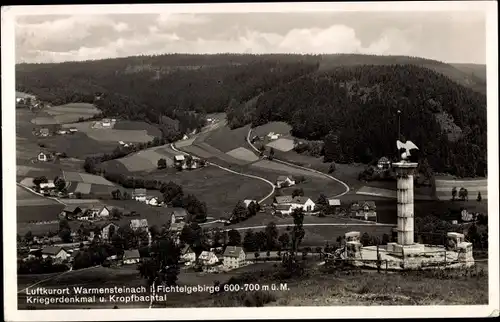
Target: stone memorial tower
x=405 y=171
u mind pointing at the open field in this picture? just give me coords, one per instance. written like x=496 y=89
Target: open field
x=77 y=145
x=26 y=198
x=205 y=151
x=285 y=169
x=145 y=160
x=114 y=166
x=67 y=113
x=45 y=212
x=387 y=193
x=275 y=127
x=86 y=178
x=83 y=188
x=225 y=139
x=444 y=187
x=281 y=144
x=111 y=134
x=243 y=154
x=184 y=143
x=219 y=189
x=137 y=126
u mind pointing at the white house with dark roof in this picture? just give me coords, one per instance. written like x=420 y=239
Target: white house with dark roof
x=131 y=257
x=285 y=181
x=233 y=257
x=305 y=203
x=98 y=212
x=153 y=201
x=57 y=253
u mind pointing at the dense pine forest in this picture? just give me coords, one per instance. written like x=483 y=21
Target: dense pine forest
x=348 y=101
x=354 y=111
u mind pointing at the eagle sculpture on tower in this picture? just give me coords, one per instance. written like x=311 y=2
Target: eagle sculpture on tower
x=407 y=146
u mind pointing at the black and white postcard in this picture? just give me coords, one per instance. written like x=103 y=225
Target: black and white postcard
x=250 y=160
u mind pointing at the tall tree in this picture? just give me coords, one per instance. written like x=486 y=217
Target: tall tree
x=234 y=238
x=271 y=235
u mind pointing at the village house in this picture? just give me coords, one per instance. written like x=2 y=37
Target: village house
x=305 y=203
x=47 y=186
x=98 y=212
x=179 y=158
x=61 y=132
x=247 y=202
x=334 y=205
x=58 y=254
x=285 y=181
x=71 y=211
x=283 y=209
x=25 y=98
x=188 y=255
x=106 y=122
x=179 y=215
x=131 y=257
x=139 y=194
x=185 y=137
x=365 y=210
x=283 y=200
x=233 y=257
x=73 y=130
x=273 y=136
x=44 y=132
x=43 y=157
x=153 y=201
x=383 y=163
x=105 y=231
x=139 y=224
x=208 y=258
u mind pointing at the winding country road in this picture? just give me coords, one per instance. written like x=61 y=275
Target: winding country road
x=347 y=189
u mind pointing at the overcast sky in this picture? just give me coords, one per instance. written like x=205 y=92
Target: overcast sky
x=458 y=37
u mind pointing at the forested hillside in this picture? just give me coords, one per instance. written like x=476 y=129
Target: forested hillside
x=347 y=100
x=354 y=111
